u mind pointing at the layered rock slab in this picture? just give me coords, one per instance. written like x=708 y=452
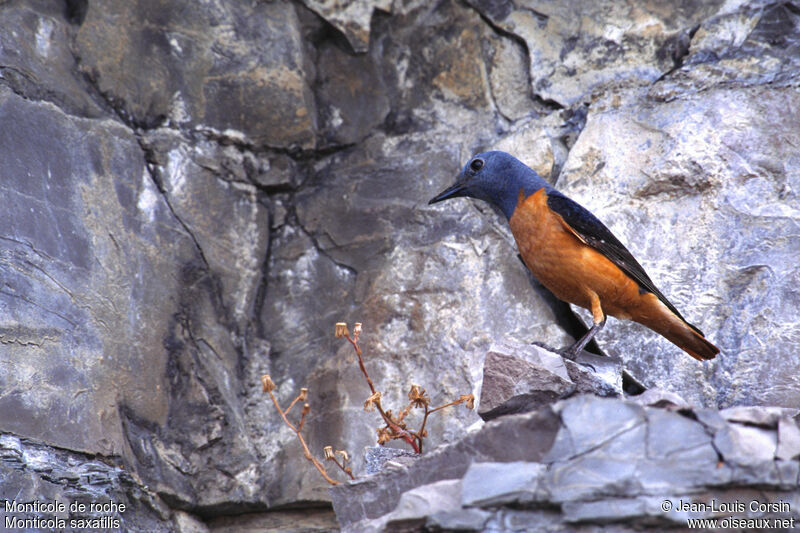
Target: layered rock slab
x=593 y=461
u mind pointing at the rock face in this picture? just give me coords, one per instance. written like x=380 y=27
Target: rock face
x=686 y=191
x=196 y=191
x=34 y=472
x=518 y=378
x=590 y=460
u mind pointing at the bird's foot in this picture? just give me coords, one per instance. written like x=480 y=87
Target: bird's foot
x=572 y=354
x=567 y=353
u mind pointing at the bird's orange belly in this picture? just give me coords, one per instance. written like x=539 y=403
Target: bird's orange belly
x=570 y=269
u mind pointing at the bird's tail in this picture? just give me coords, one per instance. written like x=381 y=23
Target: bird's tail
x=692 y=341
x=680 y=333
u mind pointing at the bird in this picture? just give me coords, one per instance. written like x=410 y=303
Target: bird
x=572 y=253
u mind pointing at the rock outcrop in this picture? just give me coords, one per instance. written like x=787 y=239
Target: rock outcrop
x=196 y=191
x=590 y=460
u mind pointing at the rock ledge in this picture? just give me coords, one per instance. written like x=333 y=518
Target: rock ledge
x=588 y=460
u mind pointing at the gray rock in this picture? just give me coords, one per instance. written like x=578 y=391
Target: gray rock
x=36 y=60
x=508 y=78
x=492 y=484
x=372 y=497
x=710 y=418
x=89 y=249
x=611 y=509
x=350 y=106
x=674 y=167
x=417 y=504
x=671 y=434
x=196 y=191
x=33 y=472
x=747 y=446
x=377 y=456
x=660 y=398
x=680 y=455
x=519 y=378
x=351 y=17
x=110 y=284
x=592 y=374
x=755 y=44
x=613 y=464
x=621 y=478
x=788 y=439
x=236 y=70
x=186 y=523
x=459 y=520
x=578 y=437
x=575 y=47
x=308 y=520
x=767 y=417
x=200 y=181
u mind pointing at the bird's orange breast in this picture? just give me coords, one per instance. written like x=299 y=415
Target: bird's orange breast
x=569 y=268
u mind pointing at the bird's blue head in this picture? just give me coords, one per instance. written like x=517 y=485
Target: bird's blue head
x=497 y=178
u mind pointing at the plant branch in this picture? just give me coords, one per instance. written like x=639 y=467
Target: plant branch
x=269 y=387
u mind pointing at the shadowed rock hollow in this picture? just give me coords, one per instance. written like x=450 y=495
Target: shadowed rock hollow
x=195 y=192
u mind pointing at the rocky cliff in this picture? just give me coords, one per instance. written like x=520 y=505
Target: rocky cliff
x=196 y=191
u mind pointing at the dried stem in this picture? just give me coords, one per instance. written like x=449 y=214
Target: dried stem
x=344 y=468
x=306 y=409
x=296 y=430
x=404 y=413
x=395 y=425
x=456 y=402
x=354 y=342
x=402 y=433
x=302 y=396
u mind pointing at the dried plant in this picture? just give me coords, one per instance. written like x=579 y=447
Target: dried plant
x=394 y=425
x=269 y=387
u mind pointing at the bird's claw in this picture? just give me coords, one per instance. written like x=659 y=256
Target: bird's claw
x=571 y=355
x=566 y=353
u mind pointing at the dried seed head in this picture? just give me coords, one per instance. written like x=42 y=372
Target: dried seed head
x=357 y=329
x=384 y=436
x=417 y=396
x=328 y=451
x=341 y=330
x=306 y=409
x=343 y=455
x=369 y=405
x=468 y=399
x=267 y=384
x=303 y=394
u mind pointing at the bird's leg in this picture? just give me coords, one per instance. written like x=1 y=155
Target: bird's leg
x=599 y=318
x=572 y=352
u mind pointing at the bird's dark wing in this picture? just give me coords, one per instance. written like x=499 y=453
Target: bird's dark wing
x=594 y=233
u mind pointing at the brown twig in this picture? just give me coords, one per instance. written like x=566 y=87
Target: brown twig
x=465 y=398
x=395 y=427
x=330 y=455
x=375 y=398
x=300 y=397
x=306 y=409
x=269 y=386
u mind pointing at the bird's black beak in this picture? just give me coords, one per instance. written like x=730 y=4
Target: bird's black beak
x=454 y=191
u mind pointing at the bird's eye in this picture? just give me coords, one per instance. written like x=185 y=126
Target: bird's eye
x=476 y=164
